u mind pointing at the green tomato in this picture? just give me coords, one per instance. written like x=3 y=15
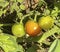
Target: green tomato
x=46 y=22
x=18 y=30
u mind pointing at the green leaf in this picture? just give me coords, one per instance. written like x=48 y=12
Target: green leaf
x=33 y=39
x=21 y=48
x=20 y=1
x=8 y=43
x=49 y=33
x=57 y=3
x=1 y=0
x=57 y=49
x=4 y=11
x=57 y=23
x=55 y=12
x=41 y=2
x=1 y=12
x=32 y=49
x=13 y=0
x=46 y=12
x=29 y=39
x=14 y=7
x=4 y=4
x=53 y=46
x=1 y=31
x=22 y=7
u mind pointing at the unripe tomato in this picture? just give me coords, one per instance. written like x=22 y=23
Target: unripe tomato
x=32 y=28
x=18 y=30
x=46 y=22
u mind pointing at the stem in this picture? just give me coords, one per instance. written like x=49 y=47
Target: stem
x=26 y=16
x=18 y=10
x=37 y=13
x=35 y=17
x=30 y=18
x=5 y=25
x=15 y=21
x=55 y=36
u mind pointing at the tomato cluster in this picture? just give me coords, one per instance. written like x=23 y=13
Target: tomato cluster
x=32 y=28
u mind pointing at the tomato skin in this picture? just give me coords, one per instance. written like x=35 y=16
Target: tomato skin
x=32 y=28
x=18 y=30
x=46 y=22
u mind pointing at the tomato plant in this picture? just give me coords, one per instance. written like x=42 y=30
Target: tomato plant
x=18 y=30
x=29 y=25
x=32 y=28
x=46 y=22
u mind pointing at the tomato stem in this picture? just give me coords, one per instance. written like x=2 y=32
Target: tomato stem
x=55 y=36
x=37 y=13
x=5 y=25
x=26 y=16
x=30 y=18
x=35 y=17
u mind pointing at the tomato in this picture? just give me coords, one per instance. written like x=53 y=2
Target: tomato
x=18 y=30
x=32 y=28
x=46 y=22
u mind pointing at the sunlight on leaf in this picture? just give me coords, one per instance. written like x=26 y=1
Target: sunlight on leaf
x=49 y=33
x=53 y=46
x=7 y=42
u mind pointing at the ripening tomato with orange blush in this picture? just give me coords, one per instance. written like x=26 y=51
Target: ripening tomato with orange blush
x=32 y=28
